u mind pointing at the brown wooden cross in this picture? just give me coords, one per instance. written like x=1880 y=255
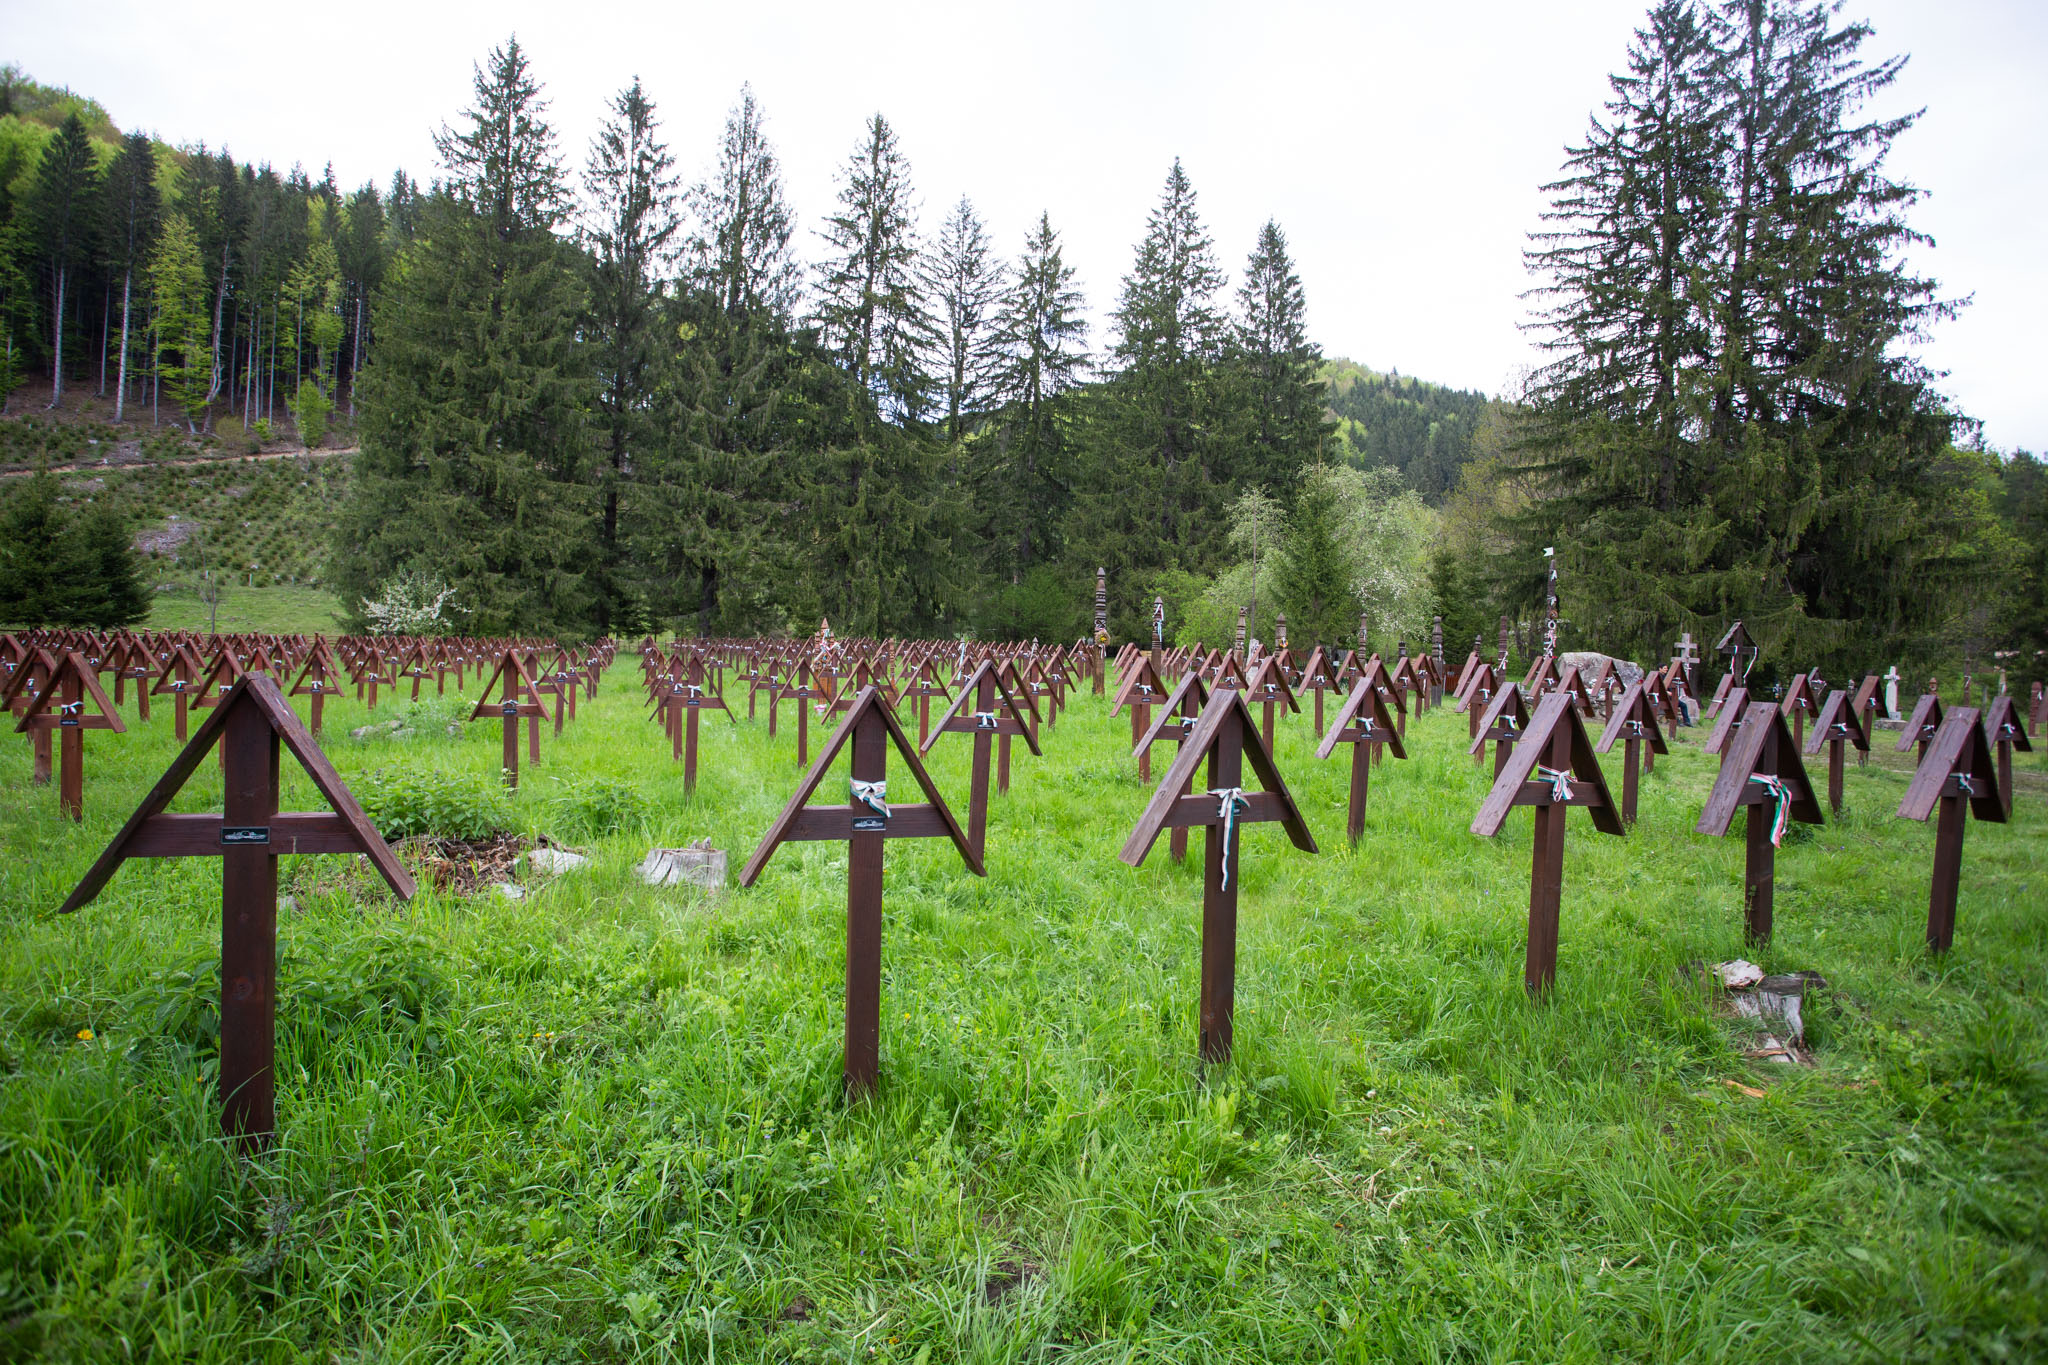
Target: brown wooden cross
x=1177 y=717
x=1732 y=708
x=1504 y=722
x=1839 y=724
x=60 y=706
x=1956 y=770
x=995 y=714
x=1142 y=688
x=1364 y=723
x=864 y=822
x=247 y=836
x=519 y=699
x=1632 y=720
x=1762 y=771
x=1922 y=724
x=680 y=702
x=1225 y=738
x=1553 y=769
x=2003 y=728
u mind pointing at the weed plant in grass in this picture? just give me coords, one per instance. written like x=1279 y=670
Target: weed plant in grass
x=604 y=1122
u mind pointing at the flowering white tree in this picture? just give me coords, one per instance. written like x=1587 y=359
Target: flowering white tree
x=412 y=602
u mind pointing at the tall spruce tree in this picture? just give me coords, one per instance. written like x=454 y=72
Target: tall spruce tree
x=474 y=459
x=132 y=211
x=1156 y=475
x=966 y=285
x=871 y=307
x=1313 y=580
x=61 y=208
x=739 y=247
x=630 y=238
x=1044 y=329
x=1284 y=395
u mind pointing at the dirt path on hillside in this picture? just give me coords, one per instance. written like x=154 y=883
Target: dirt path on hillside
x=109 y=463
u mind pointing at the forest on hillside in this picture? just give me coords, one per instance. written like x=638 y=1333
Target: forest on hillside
x=593 y=397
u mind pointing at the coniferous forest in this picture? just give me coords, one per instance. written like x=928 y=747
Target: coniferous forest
x=593 y=395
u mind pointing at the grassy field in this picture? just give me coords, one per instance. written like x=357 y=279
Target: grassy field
x=603 y=1122
x=299 y=610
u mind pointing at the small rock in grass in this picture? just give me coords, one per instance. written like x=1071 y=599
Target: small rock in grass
x=553 y=860
x=511 y=891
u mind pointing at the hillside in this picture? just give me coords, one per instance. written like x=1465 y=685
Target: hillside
x=1422 y=429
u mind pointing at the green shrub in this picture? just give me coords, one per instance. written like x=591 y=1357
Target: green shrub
x=447 y=805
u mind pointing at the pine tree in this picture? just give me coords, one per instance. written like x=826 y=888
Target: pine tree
x=314 y=288
x=1044 y=330
x=967 y=288
x=133 y=213
x=739 y=249
x=106 y=589
x=1284 y=395
x=1313 y=580
x=178 y=343
x=871 y=307
x=630 y=239
x=33 y=529
x=473 y=461
x=364 y=256
x=61 y=206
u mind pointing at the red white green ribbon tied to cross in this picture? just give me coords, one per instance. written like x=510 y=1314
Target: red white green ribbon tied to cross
x=1560 y=782
x=1231 y=804
x=1781 y=813
x=873 y=795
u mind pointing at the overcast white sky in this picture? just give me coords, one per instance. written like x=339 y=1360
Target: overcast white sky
x=1400 y=146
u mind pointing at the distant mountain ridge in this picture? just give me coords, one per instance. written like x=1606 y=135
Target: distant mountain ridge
x=1397 y=421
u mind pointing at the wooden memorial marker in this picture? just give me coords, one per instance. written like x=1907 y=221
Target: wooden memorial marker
x=25 y=685
x=1957 y=769
x=1921 y=726
x=803 y=690
x=1633 y=720
x=2003 y=729
x=1268 y=687
x=247 y=836
x=864 y=822
x=1553 y=769
x=1318 y=676
x=1732 y=708
x=519 y=699
x=1741 y=652
x=1868 y=699
x=1224 y=737
x=682 y=702
x=1020 y=691
x=1840 y=723
x=1762 y=771
x=318 y=679
x=60 y=706
x=1799 y=703
x=1141 y=689
x=1504 y=723
x=1177 y=722
x=1363 y=723
x=924 y=684
x=983 y=689
x=179 y=679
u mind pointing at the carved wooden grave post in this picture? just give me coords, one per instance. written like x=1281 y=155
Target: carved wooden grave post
x=60 y=706
x=1840 y=723
x=1956 y=772
x=1762 y=771
x=2003 y=729
x=1225 y=737
x=984 y=690
x=864 y=822
x=247 y=836
x=1363 y=723
x=1634 y=721
x=1553 y=769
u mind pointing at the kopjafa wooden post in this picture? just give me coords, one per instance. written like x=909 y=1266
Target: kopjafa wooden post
x=1838 y=725
x=1101 y=623
x=1634 y=722
x=518 y=699
x=1158 y=633
x=1762 y=771
x=866 y=820
x=995 y=713
x=1503 y=724
x=1364 y=723
x=1922 y=724
x=250 y=724
x=2003 y=728
x=1553 y=769
x=1225 y=738
x=61 y=706
x=1177 y=722
x=1958 y=778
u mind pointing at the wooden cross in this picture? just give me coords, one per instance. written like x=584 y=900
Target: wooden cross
x=1632 y=720
x=1799 y=703
x=1268 y=687
x=1762 y=771
x=1176 y=722
x=60 y=706
x=988 y=721
x=1839 y=724
x=1687 y=655
x=520 y=699
x=1141 y=689
x=1922 y=724
x=1955 y=769
x=1553 y=769
x=803 y=691
x=683 y=701
x=1504 y=722
x=1364 y=723
x=318 y=679
x=1225 y=737
x=250 y=724
x=864 y=822
x=1732 y=707
x=2003 y=728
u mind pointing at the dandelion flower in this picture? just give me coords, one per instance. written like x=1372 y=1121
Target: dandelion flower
x=85 y=1035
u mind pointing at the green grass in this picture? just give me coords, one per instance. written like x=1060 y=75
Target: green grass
x=262 y=608
x=604 y=1123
